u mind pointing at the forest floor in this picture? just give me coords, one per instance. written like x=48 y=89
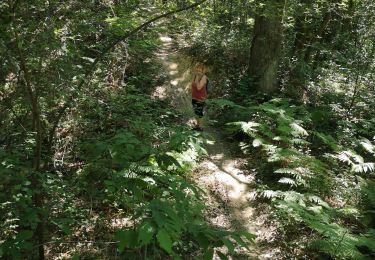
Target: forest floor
x=224 y=174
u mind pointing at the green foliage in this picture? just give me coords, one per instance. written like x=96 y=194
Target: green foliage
x=107 y=150
x=298 y=178
x=337 y=240
x=18 y=218
x=277 y=132
x=167 y=209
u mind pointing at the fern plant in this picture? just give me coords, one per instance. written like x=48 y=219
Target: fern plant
x=300 y=177
x=166 y=209
x=284 y=140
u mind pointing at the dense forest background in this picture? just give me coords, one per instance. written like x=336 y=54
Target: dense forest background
x=93 y=165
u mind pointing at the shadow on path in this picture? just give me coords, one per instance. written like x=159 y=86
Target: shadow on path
x=230 y=187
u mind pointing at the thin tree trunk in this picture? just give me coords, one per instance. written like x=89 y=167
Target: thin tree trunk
x=36 y=120
x=355 y=91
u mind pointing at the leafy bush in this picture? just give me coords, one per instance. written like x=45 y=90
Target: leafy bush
x=165 y=208
x=305 y=173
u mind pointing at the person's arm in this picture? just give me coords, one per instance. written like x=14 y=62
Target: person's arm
x=202 y=82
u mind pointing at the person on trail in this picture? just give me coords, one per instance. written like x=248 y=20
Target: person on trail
x=199 y=93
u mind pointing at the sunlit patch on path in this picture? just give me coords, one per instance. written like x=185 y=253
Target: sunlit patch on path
x=230 y=188
x=177 y=73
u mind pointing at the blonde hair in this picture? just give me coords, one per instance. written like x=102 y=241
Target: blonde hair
x=199 y=66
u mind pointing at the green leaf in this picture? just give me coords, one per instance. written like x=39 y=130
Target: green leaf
x=222 y=256
x=164 y=240
x=16 y=254
x=127 y=238
x=63 y=224
x=298 y=130
x=112 y=20
x=208 y=255
x=203 y=240
x=26 y=245
x=240 y=241
x=145 y=233
x=24 y=235
x=248 y=236
x=229 y=245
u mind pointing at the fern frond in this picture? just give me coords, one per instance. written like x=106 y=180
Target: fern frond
x=318 y=200
x=287 y=181
x=245 y=147
x=298 y=130
x=270 y=148
x=328 y=140
x=272 y=109
x=369 y=192
x=249 y=127
x=223 y=103
x=367 y=145
x=269 y=194
x=363 y=167
x=299 y=141
x=294 y=198
x=357 y=158
x=349 y=157
x=287 y=170
x=343 y=157
x=368 y=240
x=258 y=142
x=322 y=245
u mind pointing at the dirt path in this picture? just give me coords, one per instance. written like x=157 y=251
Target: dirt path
x=233 y=204
x=178 y=74
x=226 y=178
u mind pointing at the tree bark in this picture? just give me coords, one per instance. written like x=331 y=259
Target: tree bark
x=266 y=46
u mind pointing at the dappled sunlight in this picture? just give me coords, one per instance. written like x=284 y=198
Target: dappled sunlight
x=165 y=39
x=121 y=222
x=222 y=177
x=228 y=183
x=218 y=156
x=230 y=167
x=159 y=93
x=173 y=66
x=235 y=183
x=174 y=82
x=180 y=90
x=177 y=85
x=187 y=130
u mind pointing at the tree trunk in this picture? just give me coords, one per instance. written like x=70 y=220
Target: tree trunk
x=266 y=46
x=37 y=128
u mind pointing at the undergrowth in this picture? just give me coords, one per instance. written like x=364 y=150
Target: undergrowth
x=319 y=182
x=120 y=181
